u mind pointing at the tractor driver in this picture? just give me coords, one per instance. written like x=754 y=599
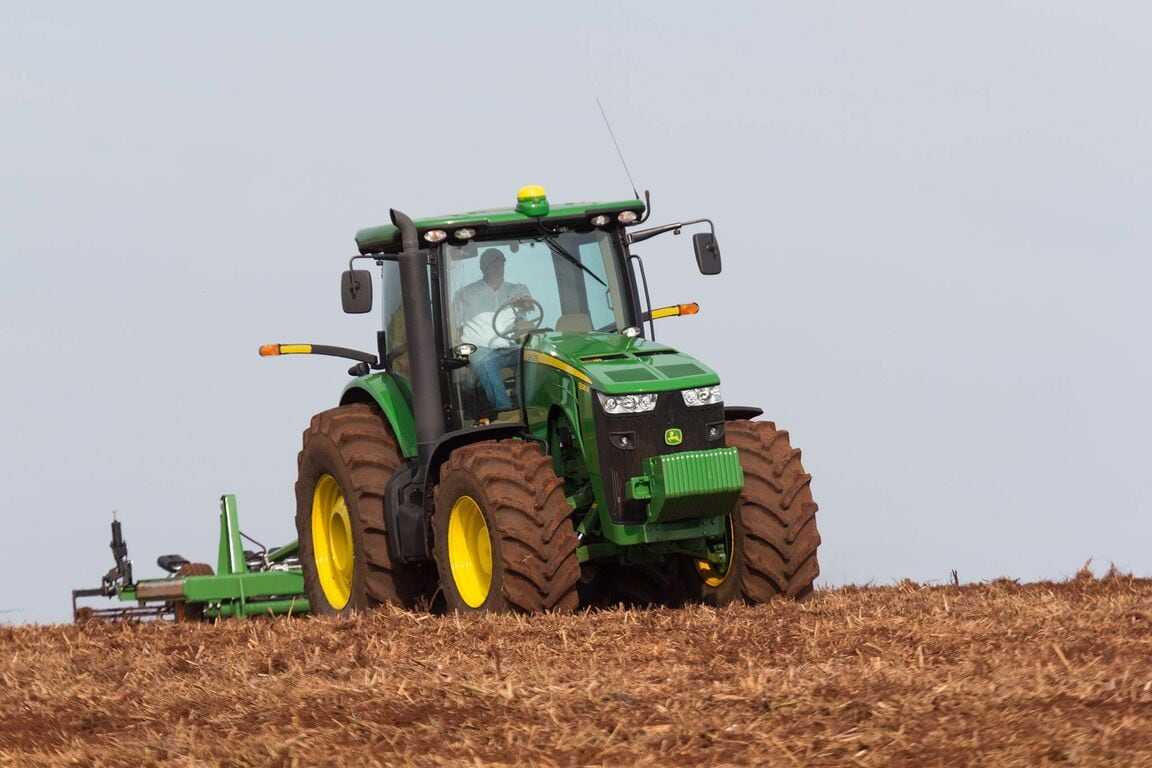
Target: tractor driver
x=474 y=307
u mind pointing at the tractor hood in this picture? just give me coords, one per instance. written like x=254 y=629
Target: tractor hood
x=615 y=364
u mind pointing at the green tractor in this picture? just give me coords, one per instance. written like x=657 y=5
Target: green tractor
x=518 y=442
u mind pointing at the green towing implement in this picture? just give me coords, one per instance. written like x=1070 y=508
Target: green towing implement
x=245 y=583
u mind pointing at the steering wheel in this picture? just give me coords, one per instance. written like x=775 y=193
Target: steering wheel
x=521 y=324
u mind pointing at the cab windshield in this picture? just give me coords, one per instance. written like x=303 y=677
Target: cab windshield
x=570 y=277
x=498 y=290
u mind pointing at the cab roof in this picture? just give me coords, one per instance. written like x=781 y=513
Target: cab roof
x=386 y=237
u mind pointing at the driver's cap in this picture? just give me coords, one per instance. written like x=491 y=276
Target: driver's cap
x=490 y=257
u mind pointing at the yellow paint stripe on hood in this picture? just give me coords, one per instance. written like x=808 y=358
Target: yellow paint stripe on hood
x=531 y=356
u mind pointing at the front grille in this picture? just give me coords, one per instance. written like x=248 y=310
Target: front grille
x=645 y=431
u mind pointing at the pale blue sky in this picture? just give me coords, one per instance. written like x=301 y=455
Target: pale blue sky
x=933 y=218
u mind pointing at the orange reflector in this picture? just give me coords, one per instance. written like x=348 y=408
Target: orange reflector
x=269 y=349
x=689 y=309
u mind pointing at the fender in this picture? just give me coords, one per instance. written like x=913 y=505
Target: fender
x=393 y=394
x=408 y=496
x=450 y=441
x=735 y=412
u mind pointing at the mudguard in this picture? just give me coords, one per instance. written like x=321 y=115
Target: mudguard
x=393 y=394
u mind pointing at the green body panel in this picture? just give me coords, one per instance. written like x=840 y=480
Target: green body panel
x=205 y=589
x=638 y=543
x=231 y=557
x=294 y=606
x=393 y=394
x=679 y=486
x=617 y=365
x=549 y=390
x=386 y=238
x=691 y=492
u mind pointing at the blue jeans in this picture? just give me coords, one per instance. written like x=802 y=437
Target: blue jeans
x=487 y=363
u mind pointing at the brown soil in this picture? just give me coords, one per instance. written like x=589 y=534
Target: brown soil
x=998 y=674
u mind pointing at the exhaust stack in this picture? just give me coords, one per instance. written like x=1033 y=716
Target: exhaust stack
x=421 y=340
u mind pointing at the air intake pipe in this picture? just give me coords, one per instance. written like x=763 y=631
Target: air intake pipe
x=426 y=395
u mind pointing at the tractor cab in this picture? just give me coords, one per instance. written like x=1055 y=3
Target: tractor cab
x=506 y=276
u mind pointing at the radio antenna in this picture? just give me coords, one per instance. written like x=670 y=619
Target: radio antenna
x=618 y=152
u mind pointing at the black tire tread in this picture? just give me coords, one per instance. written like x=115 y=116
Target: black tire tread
x=369 y=452
x=195 y=569
x=777 y=514
x=529 y=521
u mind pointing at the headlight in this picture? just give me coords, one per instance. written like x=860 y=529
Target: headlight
x=702 y=396
x=615 y=404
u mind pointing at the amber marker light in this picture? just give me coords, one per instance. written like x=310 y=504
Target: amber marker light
x=675 y=310
x=269 y=350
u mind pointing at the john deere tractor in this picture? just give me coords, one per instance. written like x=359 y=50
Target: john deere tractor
x=521 y=443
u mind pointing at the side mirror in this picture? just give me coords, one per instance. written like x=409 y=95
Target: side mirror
x=356 y=291
x=707 y=253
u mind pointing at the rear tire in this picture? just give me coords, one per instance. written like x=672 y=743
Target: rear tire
x=504 y=539
x=348 y=456
x=773 y=536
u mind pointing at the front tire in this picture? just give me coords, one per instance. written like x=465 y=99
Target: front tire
x=504 y=539
x=346 y=461
x=772 y=537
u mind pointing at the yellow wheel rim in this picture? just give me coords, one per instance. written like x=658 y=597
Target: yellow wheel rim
x=714 y=574
x=469 y=551
x=332 y=542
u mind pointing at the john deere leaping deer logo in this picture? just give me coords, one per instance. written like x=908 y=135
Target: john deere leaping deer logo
x=673 y=436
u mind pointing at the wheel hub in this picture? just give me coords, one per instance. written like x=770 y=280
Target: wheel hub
x=714 y=574
x=470 y=551
x=332 y=544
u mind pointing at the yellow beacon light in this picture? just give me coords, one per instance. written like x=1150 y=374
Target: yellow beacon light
x=532 y=200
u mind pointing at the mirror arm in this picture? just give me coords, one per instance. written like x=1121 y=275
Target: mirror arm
x=644 y=234
x=376 y=257
x=647 y=207
x=352 y=261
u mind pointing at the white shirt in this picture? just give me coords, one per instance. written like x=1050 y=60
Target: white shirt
x=475 y=305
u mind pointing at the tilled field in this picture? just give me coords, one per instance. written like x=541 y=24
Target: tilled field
x=998 y=674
